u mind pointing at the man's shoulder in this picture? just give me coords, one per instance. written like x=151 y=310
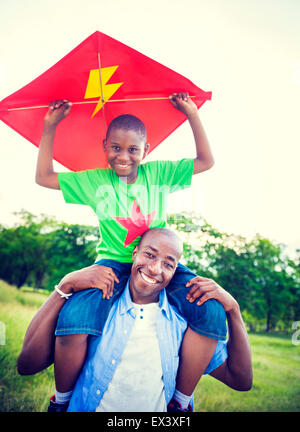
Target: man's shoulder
x=176 y=316
x=172 y=311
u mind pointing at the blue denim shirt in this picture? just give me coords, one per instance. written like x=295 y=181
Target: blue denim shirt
x=105 y=351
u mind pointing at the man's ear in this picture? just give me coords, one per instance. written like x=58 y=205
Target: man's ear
x=134 y=252
x=146 y=150
x=104 y=144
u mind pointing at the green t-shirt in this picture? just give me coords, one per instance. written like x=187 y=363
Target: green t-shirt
x=126 y=211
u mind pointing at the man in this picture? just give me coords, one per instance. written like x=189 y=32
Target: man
x=133 y=365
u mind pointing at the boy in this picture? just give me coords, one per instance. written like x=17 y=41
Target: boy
x=128 y=199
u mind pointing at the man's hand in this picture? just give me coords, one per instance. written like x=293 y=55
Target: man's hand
x=183 y=103
x=206 y=289
x=58 y=110
x=94 y=276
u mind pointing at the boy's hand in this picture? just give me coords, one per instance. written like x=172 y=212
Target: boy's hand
x=183 y=103
x=94 y=276
x=58 y=110
x=206 y=289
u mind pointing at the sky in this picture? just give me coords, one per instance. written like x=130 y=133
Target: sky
x=246 y=52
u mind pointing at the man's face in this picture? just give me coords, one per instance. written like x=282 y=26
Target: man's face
x=125 y=151
x=154 y=263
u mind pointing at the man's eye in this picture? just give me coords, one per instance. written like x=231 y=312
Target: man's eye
x=170 y=266
x=133 y=150
x=149 y=254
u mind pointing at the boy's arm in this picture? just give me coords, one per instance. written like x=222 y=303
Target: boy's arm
x=38 y=346
x=45 y=175
x=204 y=159
x=236 y=371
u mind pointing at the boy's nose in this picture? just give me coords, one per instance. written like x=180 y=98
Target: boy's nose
x=123 y=158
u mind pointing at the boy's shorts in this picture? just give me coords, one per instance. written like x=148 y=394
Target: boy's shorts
x=85 y=312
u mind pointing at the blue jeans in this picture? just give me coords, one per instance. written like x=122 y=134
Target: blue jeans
x=86 y=311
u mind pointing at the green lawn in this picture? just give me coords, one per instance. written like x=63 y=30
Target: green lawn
x=276 y=380
x=276 y=368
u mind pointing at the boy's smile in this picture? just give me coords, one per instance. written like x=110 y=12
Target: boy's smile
x=125 y=150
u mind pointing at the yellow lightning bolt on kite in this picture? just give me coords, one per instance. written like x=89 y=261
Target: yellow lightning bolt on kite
x=93 y=88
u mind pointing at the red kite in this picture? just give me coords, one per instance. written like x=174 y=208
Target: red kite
x=103 y=78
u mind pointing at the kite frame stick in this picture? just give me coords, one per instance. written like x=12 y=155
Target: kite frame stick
x=101 y=90
x=97 y=101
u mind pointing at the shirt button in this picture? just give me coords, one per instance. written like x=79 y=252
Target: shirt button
x=113 y=361
x=98 y=392
x=141 y=317
x=142 y=310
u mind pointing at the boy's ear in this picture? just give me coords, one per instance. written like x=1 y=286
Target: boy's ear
x=146 y=150
x=104 y=144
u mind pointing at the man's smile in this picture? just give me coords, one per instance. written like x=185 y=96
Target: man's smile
x=147 y=278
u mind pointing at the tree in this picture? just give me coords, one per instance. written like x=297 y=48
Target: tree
x=24 y=248
x=256 y=272
x=73 y=247
x=40 y=250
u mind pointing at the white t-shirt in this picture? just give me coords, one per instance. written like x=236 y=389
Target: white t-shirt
x=137 y=384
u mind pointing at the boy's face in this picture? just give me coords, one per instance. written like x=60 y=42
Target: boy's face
x=154 y=263
x=125 y=150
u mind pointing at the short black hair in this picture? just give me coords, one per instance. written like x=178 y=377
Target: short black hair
x=166 y=232
x=128 y=122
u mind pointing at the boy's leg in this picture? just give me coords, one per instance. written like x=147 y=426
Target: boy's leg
x=84 y=313
x=195 y=354
x=207 y=324
x=70 y=352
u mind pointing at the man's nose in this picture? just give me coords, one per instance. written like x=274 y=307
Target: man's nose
x=155 y=267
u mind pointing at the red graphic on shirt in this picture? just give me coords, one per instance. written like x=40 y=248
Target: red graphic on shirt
x=136 y=223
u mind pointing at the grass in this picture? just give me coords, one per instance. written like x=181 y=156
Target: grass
x=276 y=368
x=276 y=380
x=17 y=393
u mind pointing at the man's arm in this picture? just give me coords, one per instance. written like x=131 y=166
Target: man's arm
x=38 y=346
x=204 y=159
x=45 y=175
x=236 y=371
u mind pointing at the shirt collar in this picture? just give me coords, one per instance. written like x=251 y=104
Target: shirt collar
x=126 y=304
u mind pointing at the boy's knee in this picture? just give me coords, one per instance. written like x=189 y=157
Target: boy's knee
x=214 y=310
x=210 y=319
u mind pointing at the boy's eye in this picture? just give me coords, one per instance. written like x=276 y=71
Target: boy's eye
x=115 y=148
x=133 y=150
